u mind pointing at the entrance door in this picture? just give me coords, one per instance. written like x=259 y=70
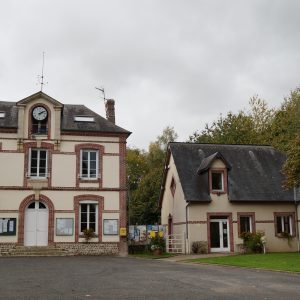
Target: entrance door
x=219 y=235
x=36 y=224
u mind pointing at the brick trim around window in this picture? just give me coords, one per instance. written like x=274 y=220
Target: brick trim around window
x=22 y=208
x=246 y=214
x=221 y=215
x=89 y=146
x=100 y=201
x=285 y=214
x=44 y=145
x=225 y=180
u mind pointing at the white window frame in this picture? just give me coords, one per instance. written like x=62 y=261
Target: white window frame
x=88 y=177
x=38 y=164
x=2 y=114
x=282 y=223
x=222 y=181
x=88 y=202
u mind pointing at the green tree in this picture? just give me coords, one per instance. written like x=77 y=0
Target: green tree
x=285 y=126
x=244 y=127
x=144 y=170
x=291 y=168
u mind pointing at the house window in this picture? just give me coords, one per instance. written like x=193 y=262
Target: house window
x=2 y=114
x=88 y=164
x=38 y=163
x=245 y=224
x=173 y=186
x=88 y=217
x=284 y=224
x=217 y=181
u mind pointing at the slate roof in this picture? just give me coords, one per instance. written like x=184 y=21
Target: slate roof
x=11 y=115
x=100 y=123
x=68 y=123
x=254 y=173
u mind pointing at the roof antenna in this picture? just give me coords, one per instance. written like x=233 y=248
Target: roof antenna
x=41 y=77
x=103 y=92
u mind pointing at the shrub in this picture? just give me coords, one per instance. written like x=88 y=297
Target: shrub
x=253 y=241
x=157 y=242
x=88 y=233
x=200 y=247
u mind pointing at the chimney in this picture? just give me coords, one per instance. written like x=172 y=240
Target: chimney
x=110 y=110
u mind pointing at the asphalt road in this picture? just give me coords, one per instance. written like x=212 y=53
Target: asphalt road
x=130 y=278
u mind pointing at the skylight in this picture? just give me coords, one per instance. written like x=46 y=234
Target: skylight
x=84 y=119
x=2 y=114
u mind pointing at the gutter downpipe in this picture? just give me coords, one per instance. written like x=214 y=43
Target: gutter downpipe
x=187 y=228
x=297 y=225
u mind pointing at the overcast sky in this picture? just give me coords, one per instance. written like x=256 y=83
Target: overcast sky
x=176 y=63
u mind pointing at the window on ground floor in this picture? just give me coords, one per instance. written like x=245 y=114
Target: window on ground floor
x=88 y=217
x=245 y=224
x=284 y=224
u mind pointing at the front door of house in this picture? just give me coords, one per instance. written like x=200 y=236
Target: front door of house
x=219 y=235
x=36 y=224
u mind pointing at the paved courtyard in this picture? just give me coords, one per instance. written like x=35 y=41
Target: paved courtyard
x=131 y=278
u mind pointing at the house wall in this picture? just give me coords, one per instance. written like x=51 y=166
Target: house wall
x=220 y=204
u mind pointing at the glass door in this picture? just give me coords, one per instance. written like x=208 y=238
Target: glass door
x=219 y=235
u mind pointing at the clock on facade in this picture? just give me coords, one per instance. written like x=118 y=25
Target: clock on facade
x=39 y=113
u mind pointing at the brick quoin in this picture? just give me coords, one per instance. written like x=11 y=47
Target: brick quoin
x=22 y=209
x=122 y=195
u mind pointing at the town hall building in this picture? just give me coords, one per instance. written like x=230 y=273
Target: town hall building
x=62 y=171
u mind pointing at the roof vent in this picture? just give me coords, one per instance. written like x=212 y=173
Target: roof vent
x=84 y=119
x=2 y=114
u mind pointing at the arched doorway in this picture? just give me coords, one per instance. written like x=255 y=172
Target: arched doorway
x=36 y=224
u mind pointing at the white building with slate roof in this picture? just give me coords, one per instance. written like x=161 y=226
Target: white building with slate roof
x=62 y=170
x=214 y=192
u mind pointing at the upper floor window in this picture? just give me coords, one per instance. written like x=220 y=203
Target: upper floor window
x=173 y=186
x=89 y=164
x=39 y=120
x=284 y=224
x=38 y=163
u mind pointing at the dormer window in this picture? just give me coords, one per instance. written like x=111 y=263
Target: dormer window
x=218 y=181
x=39 y=120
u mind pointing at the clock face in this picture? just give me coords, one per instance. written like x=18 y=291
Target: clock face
x=39 y=113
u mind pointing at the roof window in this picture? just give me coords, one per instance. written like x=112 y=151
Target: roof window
x=84 y=119
x=2 y=114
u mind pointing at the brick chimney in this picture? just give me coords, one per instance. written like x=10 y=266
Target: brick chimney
x=110 y=110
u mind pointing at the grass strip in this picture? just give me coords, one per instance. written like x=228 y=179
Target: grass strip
x=271 y=261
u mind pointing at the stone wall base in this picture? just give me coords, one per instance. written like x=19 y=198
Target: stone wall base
x=13 y=249
x=90 y=248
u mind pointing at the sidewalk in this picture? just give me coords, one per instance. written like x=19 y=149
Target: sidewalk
x=182 y=257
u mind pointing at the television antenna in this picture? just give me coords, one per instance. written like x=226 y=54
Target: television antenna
x=101 y=89
x=41 y=77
